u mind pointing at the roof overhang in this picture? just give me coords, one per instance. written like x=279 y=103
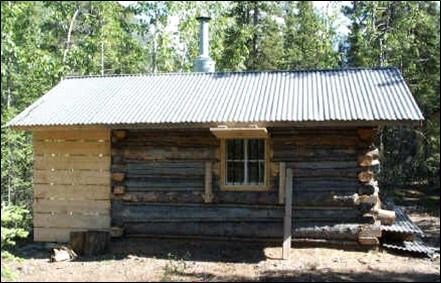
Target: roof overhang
x=356 y=123
x=243 y=133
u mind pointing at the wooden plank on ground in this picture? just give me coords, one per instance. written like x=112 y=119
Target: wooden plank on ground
x=71 y=206
x=75 y=221
x=75 y=192
x=72 y=177
x=95 y=134
x=72 y=148
x=287 y=223
x=48 y=162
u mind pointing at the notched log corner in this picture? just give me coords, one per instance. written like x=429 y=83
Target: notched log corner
x=116 y=232
x=119 y=134
x=118 y=177
x=119 y=190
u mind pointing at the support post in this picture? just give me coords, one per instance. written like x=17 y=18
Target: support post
x=282 y=171
x=287 y=223
x=208 y=197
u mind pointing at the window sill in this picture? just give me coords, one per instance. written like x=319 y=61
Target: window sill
x=244 y=188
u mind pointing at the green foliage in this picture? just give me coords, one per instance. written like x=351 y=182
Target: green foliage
x=7 y=274
x=15 y=224
x=405 y=35
x=308 y=42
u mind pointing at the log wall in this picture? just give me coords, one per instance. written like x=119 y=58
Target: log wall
x=159 y=181
x=71 y=182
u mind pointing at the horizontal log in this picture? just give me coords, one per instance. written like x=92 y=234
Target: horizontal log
x=76 y=177
x=72 y=192
x=72 y=148
x=123 y=213
x=158 y=187
x=270 y=229
x=326 y=184
x=163 y=197
x=337 y=141
x=207 y=229
x=313 y=131
x=325 y=231
x=322 y=165
x=161 y=168
x=79 y=134
x=165 y=153
x=324 y=199
x=71 y=206
x=57 y=162
x=150 y=184
x=329 y=214
x=368 y=241
x=349 y=173
x=75 y=221
x=314 y=154
x=168 y=141
x=268 y=197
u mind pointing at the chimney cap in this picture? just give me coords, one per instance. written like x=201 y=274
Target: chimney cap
x=203 y=17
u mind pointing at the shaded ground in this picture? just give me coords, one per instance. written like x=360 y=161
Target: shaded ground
x=164 y=260
x=185 y=260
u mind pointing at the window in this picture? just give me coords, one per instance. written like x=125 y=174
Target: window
x=244 y=164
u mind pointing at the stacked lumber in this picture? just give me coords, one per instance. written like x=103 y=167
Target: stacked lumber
x=71 y=182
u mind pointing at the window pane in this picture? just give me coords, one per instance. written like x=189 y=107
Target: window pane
x=234 y=149
x=253 y=172
x=256 y=172
x=256 y=149
x=261 y=171
x=235 y=172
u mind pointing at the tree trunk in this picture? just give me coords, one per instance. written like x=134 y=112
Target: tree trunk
x=69 y=34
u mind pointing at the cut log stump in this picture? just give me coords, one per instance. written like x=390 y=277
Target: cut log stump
x=89 y=243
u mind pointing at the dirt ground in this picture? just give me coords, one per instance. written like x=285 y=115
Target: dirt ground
x=179 y=260
x=185 y=260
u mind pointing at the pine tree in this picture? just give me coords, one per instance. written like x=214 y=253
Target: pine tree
x=307 y=42
x=254 y=40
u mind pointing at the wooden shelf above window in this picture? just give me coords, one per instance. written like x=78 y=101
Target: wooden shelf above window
x=239 y=133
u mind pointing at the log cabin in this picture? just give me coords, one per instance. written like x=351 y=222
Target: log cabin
x=267 y=155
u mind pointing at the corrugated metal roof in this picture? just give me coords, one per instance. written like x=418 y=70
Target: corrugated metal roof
x=411 y=246
x=402 y=224
x=373 y=94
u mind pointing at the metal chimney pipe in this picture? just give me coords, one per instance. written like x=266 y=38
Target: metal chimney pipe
x=203 y=62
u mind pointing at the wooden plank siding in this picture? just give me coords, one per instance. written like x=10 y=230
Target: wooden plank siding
x=161 y=189
x=71 y=179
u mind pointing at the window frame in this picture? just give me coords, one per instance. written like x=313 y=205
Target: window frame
x=257 y=188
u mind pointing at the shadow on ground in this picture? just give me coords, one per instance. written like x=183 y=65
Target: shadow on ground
x=320 y=276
